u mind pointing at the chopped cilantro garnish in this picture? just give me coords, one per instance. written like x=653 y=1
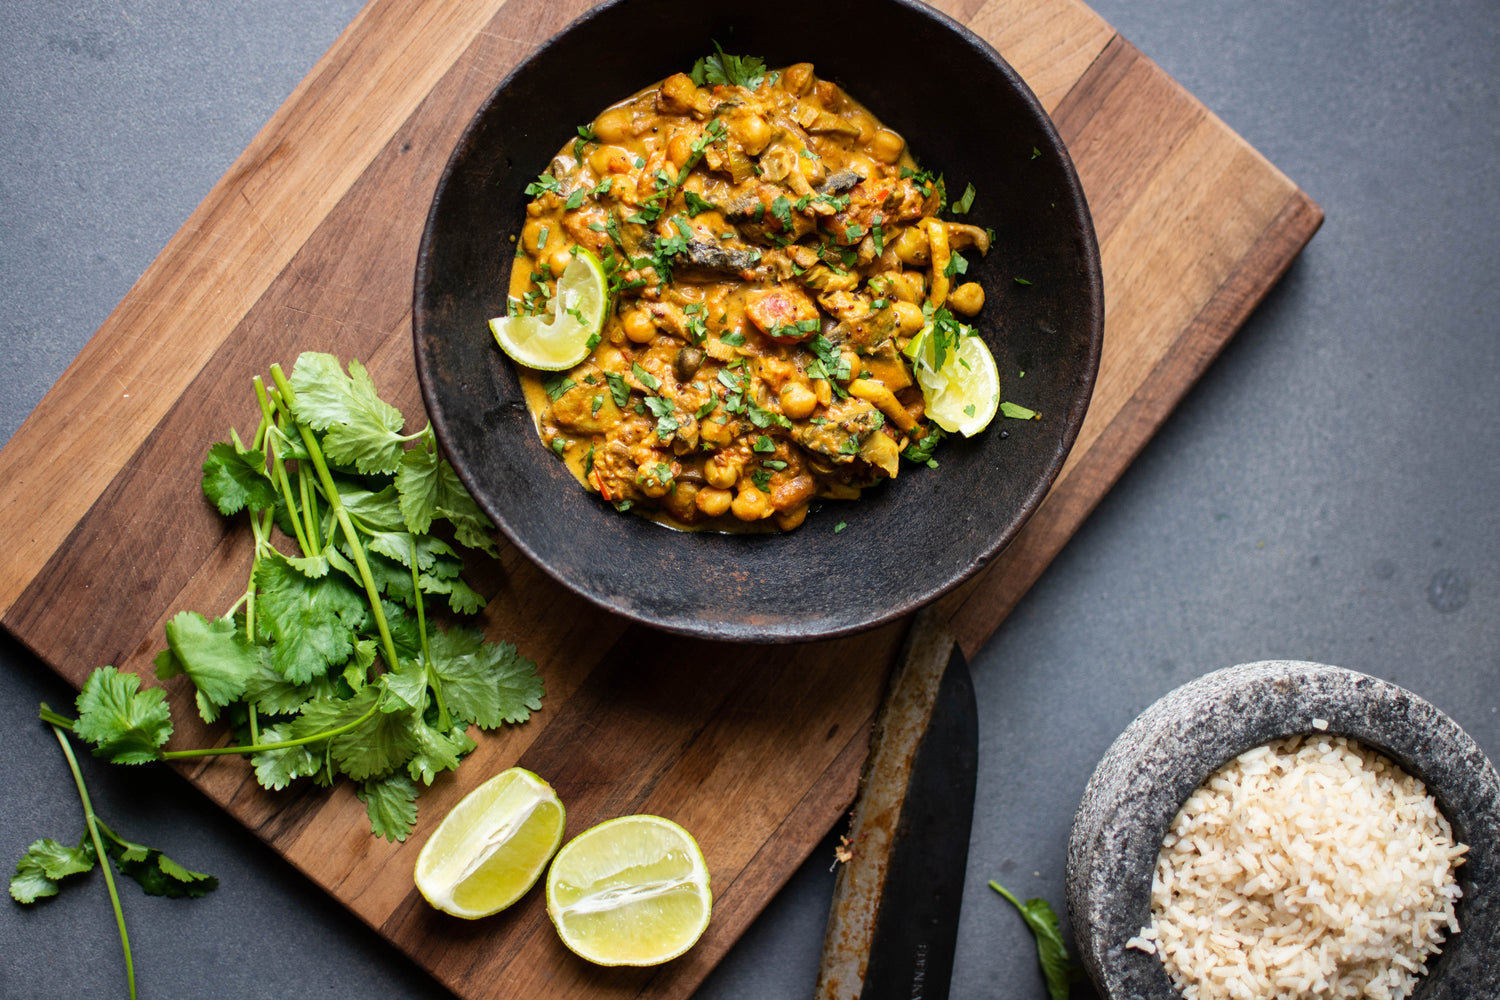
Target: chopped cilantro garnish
x=644 y=377
x=963 y=204
x=763 y=444
x=556 y=384
x=840 y=526
x=618 y=388
x=1016 y=411
x=575 y=199
x=1022 y=281
x=543 y=182
x=695 y=204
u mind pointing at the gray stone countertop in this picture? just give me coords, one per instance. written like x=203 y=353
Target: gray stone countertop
x=1327 y=492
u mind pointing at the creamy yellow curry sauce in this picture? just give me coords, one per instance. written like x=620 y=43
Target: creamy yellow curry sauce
x=771 y=249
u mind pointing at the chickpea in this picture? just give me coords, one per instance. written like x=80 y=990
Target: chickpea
x=798 y=401
x=531 y=235
x=752 y=132
x=851 y=361
x=823 y=391
x=908 y=286
x=750 y=504
x=681 y=501
x=797 y=78
x=967 y=298
x=559 y=260
x=607 y=160
x=786 y=520
x=639 y=326
x=679 y=149
x=713 y=433
x=909 y=318
x=886 y=146
x=615 y=125
x=721 y=472
x=912 y=246
x=713 y=501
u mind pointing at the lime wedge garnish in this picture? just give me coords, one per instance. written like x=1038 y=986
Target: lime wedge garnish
x=963 y=393
x=492 y=846
x=562 y=340
x=630 y=891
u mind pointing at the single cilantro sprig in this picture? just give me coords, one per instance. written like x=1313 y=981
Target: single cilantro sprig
x=47 y=862
x=329 y=664
x=739 y=71
x=1051 y=953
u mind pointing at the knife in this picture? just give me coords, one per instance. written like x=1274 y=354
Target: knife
x=894 y=921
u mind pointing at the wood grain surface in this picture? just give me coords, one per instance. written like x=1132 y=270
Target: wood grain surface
x=309 y=242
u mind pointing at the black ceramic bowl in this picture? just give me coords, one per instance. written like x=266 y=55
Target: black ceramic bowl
x=964 y=112
x=1173 y=746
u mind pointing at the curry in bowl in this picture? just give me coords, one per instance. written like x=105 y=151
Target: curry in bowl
x=780 y=305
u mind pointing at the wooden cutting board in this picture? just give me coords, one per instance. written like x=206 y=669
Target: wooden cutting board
x=309 y=241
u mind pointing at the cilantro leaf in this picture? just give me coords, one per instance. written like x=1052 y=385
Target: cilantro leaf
x=483 y=682
x=1016 y=412
x=276 y=769
x=964 y=203
x=391 y=804
x=437 y=751
x=45 y=863
x=311 y=621
x=125 y=724
x=157 y=874
x=360 y=429
x=740 y=71
x=215 y=655
x=430 y=489
x=1058 y=969
x=234 y=479
x=921 y=451
x=379 y=744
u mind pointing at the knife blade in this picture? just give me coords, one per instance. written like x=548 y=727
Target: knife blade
x=894 y=920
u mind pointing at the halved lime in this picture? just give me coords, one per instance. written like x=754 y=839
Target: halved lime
x=963 y=392
x=630 y=891
x=492 y=846
x=560 y=341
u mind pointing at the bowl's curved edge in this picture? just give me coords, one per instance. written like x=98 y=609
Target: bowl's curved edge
x=834 y=625
x=1175 y=744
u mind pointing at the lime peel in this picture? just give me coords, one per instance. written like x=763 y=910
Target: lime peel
x=562 y=340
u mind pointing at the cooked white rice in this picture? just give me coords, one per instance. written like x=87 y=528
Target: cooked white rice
x=1312 y=867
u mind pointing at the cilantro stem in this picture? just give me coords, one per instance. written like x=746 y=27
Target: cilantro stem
x=335 y=504
x=104 y=862
x=54 y=720
x=278 y=470
x=326 y=734
x=444 y=721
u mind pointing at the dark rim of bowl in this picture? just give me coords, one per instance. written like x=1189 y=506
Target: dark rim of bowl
x=1172 y=747
x=738 y=631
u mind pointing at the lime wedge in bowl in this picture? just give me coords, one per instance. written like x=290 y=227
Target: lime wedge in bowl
x=630 y=891
x=562 y=340
x=492 y=846
x=957 y=373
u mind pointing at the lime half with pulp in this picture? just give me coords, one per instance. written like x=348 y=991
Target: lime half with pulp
x=962 y=387
x=630 y=891
x=492 y=846
x=562 y=340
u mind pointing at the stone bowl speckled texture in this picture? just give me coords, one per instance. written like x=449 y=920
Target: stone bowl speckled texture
x=1190 y=733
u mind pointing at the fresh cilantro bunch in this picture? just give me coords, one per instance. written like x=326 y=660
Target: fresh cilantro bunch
x=328 y=664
